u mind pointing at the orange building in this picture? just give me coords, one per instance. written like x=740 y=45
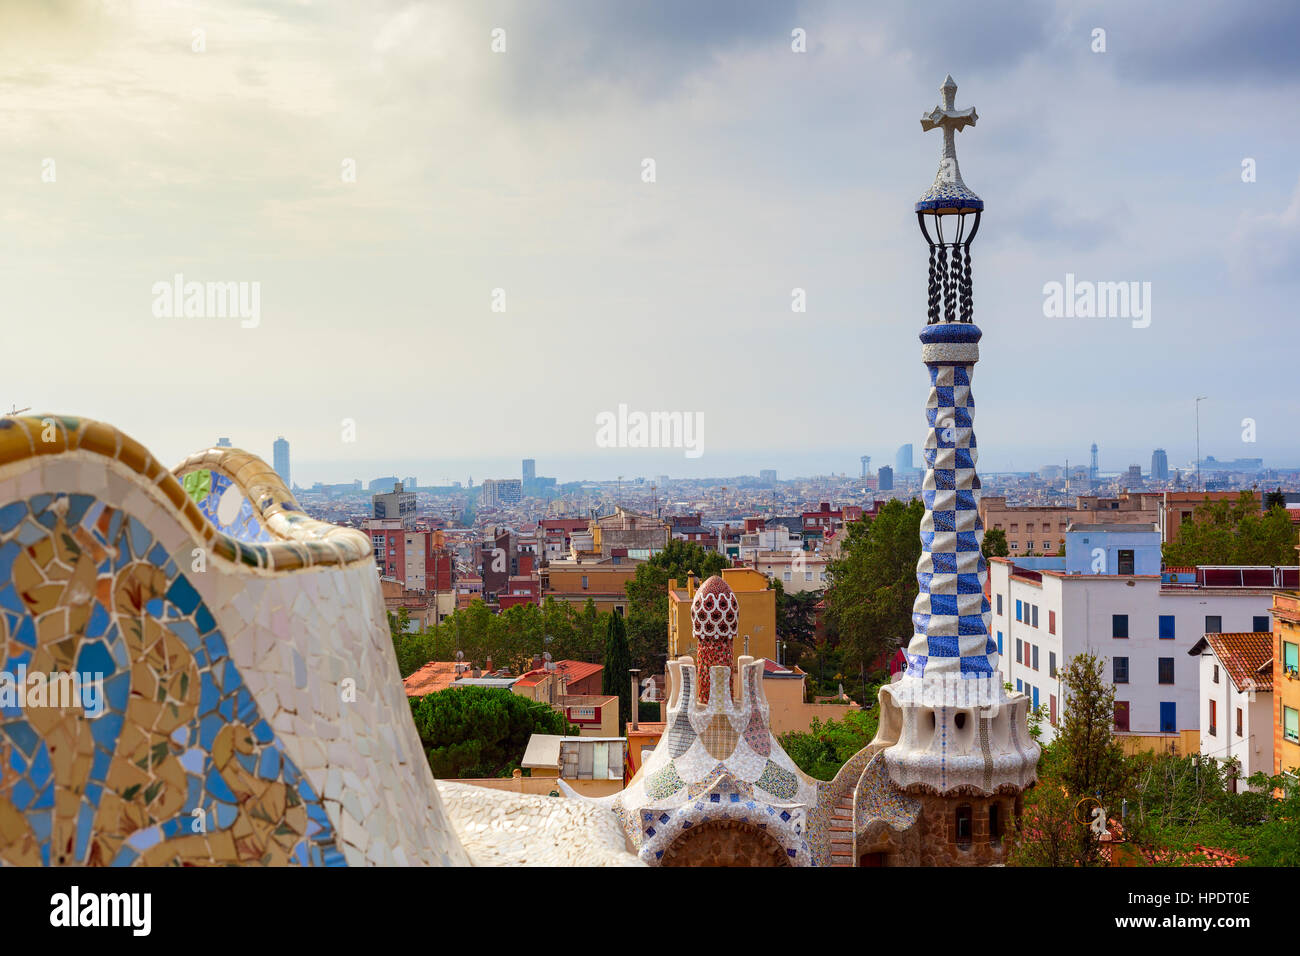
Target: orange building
x=1286 y=681
x=604 y=580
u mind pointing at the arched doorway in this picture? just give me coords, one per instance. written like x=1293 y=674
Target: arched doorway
x=725 y=843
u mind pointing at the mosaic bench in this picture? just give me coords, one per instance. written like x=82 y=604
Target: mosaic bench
x=195 y=672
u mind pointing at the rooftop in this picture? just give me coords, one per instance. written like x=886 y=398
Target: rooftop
x=1246 y=656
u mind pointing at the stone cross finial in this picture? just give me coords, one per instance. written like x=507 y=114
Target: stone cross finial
x=948 y=184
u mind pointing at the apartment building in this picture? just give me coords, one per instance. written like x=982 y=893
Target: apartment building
x=603 y=580
x=420 y=560
x=1144 y=623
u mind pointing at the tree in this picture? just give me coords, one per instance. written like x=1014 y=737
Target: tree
x=1081 y=769
x=995 y=543
x=647 y=592
x=1274 y=499
x=827 y=745
x=615 y=679
x=796 y=617
x=873 y=584
x=1224 y=532
x=480 y=731
x=1276 y=840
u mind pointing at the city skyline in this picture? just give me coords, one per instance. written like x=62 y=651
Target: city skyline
x=366 y=236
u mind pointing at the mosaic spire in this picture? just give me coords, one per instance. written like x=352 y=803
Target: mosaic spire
x=951 y=615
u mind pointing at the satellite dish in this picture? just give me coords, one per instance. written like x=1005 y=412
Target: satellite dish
x=460 y=655
x=546 y=655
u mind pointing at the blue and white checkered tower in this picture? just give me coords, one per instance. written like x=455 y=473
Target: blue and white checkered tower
x=951 y=614
x=948 y=725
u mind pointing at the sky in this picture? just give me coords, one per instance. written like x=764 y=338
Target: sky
x=387 y=181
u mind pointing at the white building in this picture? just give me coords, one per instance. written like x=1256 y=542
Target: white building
x=776 y=538
x=1236 y=709
x=1046 y=610
x=797 y=570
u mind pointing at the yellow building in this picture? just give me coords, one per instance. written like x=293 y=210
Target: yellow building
x=757 y=614
x=1286 y=681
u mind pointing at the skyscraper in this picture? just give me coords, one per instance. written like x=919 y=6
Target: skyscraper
x=1092 y=468
x=280 y=458
x=530 y=470
x=1159 y=465
x=903 y=466
x=885 y=478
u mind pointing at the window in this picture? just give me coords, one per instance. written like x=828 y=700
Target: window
x=1119 y=670
x=1029 y=544
x=1051 y=622
x=786 y=575
x=1019 y=616
x=1166 y=627
x=807 y=575
x=1035 y=690
x=995 y=828
x=1125 y=561
x=1051 y=663
x=1015 y=546
x=1034 y=608
x=1165 y=667
x=999 y=604
x=1051 y=713
x=1238 y=721
x=1213 y=623
x=1214 y=718
x=1121 y=715
x=999 y=642
x=1119 y=625
x=584 y=582
x=1291 y=724
x=1019 y=651
x=1035 y=650
x=1290 y=657
x=1020 y=686
x=963 y=825
x=1216 y=673
x=1259 y=623
x=1168 y=717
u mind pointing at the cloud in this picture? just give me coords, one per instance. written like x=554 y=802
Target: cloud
x=1266 y=246
x=1203 y=43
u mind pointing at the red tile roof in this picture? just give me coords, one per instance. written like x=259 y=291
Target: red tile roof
x=577 y=670
x=1242 y=655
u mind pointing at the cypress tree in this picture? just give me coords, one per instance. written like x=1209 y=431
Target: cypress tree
x=615 y=679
